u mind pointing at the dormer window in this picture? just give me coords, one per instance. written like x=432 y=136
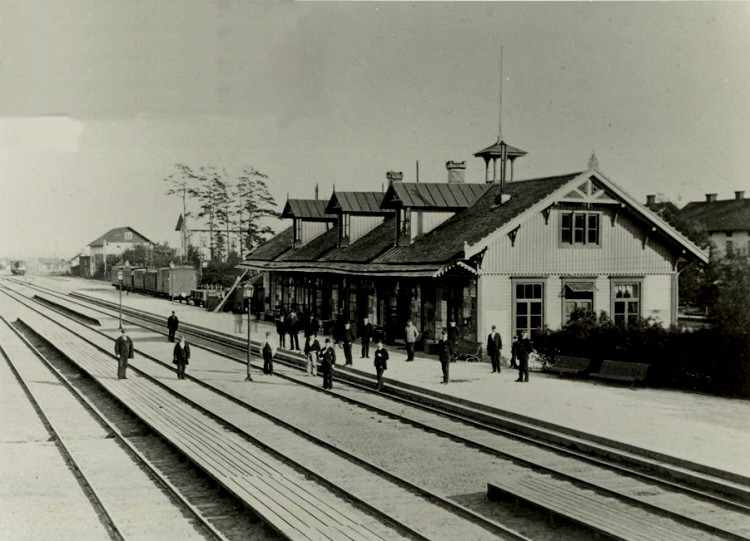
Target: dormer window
x=579 y=228
x=345 y=226
x=403 y=227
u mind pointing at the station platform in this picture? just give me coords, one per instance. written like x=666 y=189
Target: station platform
x=704 y=429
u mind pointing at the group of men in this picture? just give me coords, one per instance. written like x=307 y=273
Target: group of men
x=326 y=355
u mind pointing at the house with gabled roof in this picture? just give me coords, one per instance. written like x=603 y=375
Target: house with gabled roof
x=518 y=254
x=727 y=222
x=113 y=242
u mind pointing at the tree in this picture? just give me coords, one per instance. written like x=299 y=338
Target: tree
x=729 y=308
x=143 y=255
x=257 y=204
x=182 y=184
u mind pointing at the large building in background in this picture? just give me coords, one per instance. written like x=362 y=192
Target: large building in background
x=518 y=254
x=113 y=242
x=727 y=222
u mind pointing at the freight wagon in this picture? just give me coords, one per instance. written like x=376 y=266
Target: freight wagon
x=172 y=282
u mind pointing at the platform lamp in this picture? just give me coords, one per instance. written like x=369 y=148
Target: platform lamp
x=119 y=278
x=248 y=290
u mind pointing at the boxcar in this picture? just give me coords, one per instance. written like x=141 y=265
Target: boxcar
x=127 y=276
x=139 y=279
x=182 y=281
x=149 y=281
x=18 y=268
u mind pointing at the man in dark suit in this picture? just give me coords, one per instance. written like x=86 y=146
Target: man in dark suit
x=445 y=352
x=172 y=324
x=523 y=348
x=181 y=357
x=327 y=358
x=312 y=327
x=346 y=339
x=494 y=345
x=123 y=352
x=365 y=334
x=381 y=363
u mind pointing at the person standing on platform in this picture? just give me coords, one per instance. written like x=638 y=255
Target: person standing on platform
x=524 y=348
x=381 y=363
x=327 y=357
x=445 y=352
x=346 y=340
x=181 y=356
x=514 y=352
x=312 y=347
x=172 y=325
x=453 y=335
x=281 y=328
x=269 y=352
x=292 y=327
x=123 y=352
x=312 y=327
x=338 y=328
x=410 y=335
x=365 y=334
x=494 y=346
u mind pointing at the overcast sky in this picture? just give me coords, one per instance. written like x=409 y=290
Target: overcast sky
x=100 y=98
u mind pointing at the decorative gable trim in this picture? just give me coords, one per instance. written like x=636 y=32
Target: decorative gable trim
x=591 y=192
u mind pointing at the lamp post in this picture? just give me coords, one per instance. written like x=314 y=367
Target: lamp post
x=119 y=278
x=250 y=291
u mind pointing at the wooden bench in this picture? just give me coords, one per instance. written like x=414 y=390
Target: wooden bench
x=467 y=350
x=565 y=364
x=600 y=514
x=622 y=371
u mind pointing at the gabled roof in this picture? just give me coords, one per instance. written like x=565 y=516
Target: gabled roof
x=274 y=247
x=117 y=235
x=728 y=215
x=356 y=203
x=444 y=196
x=447 y=240
x=479 y=242
x=307 y=209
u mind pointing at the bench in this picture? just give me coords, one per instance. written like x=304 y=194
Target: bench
x=600 y=514
x=622 y=371
x=467 y=350
x=565 y=364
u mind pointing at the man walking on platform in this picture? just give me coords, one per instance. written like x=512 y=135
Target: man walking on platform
x=181 y=356
x=494 y=345
x=381 y=363
x=410 y=335
x=269 y=352
x=172 y=324
x=292 y=327
x=312 y=347
x=347 y=339
x=445 y=352
x=123 y=352
x=523 y=348
x=327 y=358
x=365 y=334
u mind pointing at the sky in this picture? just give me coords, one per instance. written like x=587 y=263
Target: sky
x=99 y=99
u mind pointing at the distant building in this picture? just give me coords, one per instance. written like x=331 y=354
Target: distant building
x=727 y=222
x=521 y=255
x=113 y=242
x=51 y=265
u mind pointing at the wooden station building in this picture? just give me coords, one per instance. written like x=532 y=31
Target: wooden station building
x=516 y=254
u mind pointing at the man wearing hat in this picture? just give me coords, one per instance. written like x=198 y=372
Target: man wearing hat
x=327 y=358
x=494 y=345
x=269 y=352
x=123 y=352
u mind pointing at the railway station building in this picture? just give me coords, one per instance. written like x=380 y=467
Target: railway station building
x=518 y=254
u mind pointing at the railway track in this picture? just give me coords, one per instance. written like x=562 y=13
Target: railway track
x=412 y=511
x=96 y=449
x=694 y=508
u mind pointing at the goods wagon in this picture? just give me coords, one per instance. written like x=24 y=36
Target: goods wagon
x=139 y=283
x=149 y=280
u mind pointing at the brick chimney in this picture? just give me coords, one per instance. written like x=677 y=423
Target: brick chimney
x=394 y=176
x=650 y=200
x=739 y=196
x=710 y=197
x=456 y=172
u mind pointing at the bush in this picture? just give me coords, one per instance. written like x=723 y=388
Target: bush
x=709 y=360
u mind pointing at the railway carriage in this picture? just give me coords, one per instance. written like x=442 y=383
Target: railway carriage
x=139 y=279
x=173 y=282
x=18 y=268
x=149 y=280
